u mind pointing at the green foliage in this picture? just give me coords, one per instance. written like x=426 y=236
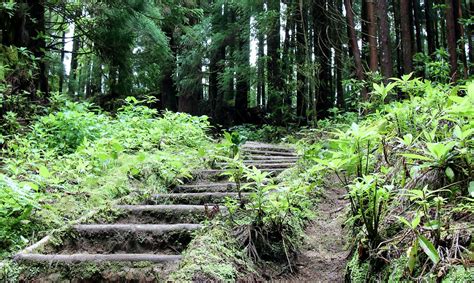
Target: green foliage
x=368 y=204
x=411 y=159
x=214 y=255
x=64 y=131
x=435 y=68
x=265 y=133
x=17 y=202
x=78 y=159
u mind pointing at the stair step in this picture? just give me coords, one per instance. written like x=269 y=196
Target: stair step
x=126 y=239
x=270 y=160
x=198 y=198
x=155 y=228
x=260 y=165
x=217 y=173
x=266 y=147
x=73 y=258
x=257 y=158
x=159 y=214
x=269 y=153
x=205 y=187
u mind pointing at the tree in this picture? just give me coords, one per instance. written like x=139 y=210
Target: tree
x=372 y=35
x=275 y=82
x=384 y=39
x=452 y=38
x=406 y=37
x=359 y=69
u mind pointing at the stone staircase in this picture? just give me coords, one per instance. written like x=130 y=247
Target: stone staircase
x=150 y=236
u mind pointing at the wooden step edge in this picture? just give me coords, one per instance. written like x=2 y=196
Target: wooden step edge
x=268 y=157
x=257 y=145
x=263 y=165
x=166 y=208
x=72 y=258
x=272 y=149
x=199 y=195
x=207 y=185
x=220 y=171
x=269 y=153
x=158 y=228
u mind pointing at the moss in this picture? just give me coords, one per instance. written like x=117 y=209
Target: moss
x=396 y=270
x=357 y=271
x=459 y=274
x=213 y=256
x=86 y=271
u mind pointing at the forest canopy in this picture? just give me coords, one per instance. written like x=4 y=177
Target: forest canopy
x=235 y=61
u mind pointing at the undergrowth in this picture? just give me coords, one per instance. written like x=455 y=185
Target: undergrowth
x=408 y=170
x=78 y=158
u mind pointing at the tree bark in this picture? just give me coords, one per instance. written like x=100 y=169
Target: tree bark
x=430 y=28
x=405 y=30
x=417 y=25
x=261 y=81
x=37 y=42
x=471 y=37
x=61 y=69
x=452 y=39
x=339 y=51
x=275 y=83
x=372 y=36
x=323 y=55
x=167 y=87
x=243 y=77
x=301 y=49
x=384 y=38
x=359 y=69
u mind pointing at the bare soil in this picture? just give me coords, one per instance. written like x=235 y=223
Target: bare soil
x=326 y=252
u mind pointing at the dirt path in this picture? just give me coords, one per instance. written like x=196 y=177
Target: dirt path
x=324 y=256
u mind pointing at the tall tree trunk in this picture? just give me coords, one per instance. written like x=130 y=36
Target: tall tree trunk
x=37 y=29
x=359 y=68
x=364 y=22
x=470 y=36
x=261 y=82
x=275 y=82
x=384 y=38
x=168 y=88
x=339 y=51
x=459 y=35
x=323 y=55
x=406 y=36
x=301 y=49
x=417 y=25
x=216 y=94
x=430 y=28
x=76 y=45
x=452 y=39
x=398 y=40
x=372 y=29
x=287 y=68
x=243 y=77
x=61 y=68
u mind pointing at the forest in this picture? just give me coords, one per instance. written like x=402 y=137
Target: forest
x=236 y=140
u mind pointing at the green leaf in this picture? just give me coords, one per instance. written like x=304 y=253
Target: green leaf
x=416 y=221
x=404 y=221
x=432 y=225
x=450 y=173
x=429 y=249
x=471 y=189
x=416 y=156
x=411 y=254
x=44 y=172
